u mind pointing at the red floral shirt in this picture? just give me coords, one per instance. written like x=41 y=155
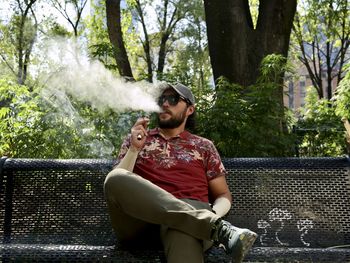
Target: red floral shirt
x=182 y=165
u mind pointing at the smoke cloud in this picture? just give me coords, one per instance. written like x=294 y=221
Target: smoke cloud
x=66 y=73
x=88 y=80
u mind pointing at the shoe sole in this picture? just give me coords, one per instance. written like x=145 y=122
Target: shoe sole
x=246 y=241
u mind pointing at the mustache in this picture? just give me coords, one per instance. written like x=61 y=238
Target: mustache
x=166 y=111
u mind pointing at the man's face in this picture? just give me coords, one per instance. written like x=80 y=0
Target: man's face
x=172 y=115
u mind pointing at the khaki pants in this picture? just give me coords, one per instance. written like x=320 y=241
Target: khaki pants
x=137 y=206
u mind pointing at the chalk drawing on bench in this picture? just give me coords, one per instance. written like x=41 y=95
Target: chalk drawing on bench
x=304 y=225
x=275 y=215
x=262 y=224
x=279 y=215
x=282 y=216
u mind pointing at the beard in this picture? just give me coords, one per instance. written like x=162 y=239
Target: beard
x=173 y=122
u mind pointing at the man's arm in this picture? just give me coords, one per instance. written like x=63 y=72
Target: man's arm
x=221 y=194
x=137 y=141
x=129 y=160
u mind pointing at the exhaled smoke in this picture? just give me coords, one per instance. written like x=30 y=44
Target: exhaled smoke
x=71 y=74
x=89 y=81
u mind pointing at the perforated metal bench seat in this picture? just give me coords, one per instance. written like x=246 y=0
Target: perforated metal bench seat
x=81 y=253
x=54 y=211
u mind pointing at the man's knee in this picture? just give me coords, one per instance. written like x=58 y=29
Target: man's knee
x=116 y=179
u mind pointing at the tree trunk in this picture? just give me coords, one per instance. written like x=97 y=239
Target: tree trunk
x=167 y=28
x=162 y=55
x=147 y=49
x=25 y=46
x=116 y=37
x=235 y=47
x=145 y=43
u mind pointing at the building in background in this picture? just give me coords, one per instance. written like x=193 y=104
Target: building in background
x=295 y=90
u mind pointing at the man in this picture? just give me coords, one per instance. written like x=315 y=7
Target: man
x=164 y=180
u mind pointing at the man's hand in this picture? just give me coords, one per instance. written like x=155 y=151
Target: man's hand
x=139 y=129
x=139 y=133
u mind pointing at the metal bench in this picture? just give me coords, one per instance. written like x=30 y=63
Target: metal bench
x=54 y=211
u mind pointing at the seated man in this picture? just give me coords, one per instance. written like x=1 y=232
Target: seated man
x=163 y=182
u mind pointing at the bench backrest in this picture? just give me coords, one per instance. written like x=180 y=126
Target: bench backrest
x=296 y=202
x=292 y=202
x=54 y=201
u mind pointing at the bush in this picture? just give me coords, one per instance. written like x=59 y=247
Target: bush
x=32 y=126
x=249 y=122
x=320 y=130
x=342 y=96
x=19 y=117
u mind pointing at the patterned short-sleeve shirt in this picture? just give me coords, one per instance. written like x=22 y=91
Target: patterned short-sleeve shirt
x=182 y=165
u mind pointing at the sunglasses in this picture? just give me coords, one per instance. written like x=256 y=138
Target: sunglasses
x=172 y=99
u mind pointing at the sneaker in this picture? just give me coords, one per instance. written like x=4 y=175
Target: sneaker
x=237 y=241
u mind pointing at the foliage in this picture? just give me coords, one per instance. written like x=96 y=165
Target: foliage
x=151 y=31
x=20 y=34
x=79 y=131
x=240 y=122
x=100 y=46
x=272 y=67
x=55 y=29
x=320 y=130
x=71 y=11
x=248 y=123
x=191 y=63
x=342 y=96
x=321 y=33
x=32 y=126
x=16 y=43
x=19 y=117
